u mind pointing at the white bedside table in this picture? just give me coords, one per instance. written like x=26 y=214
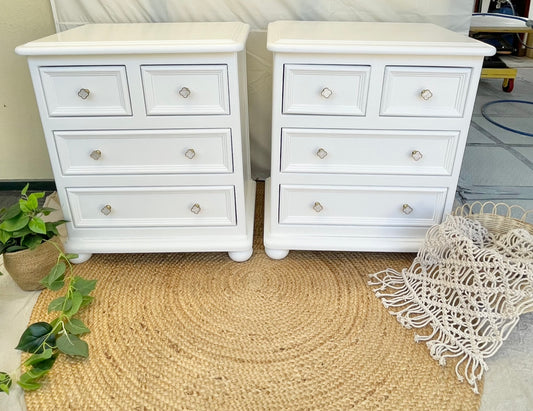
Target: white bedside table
x=369 y=126
x=147 y=131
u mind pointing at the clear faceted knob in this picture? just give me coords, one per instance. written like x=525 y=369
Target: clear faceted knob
x=426 y=94
x=321 y=153
x=96 y=154
x=196 y=208
x=317 y=207
x=84 y=93
x=407 y=209
x=185 y=92
x=106 y=210
x=190 y=153
x=416 y=155
x=326 y=92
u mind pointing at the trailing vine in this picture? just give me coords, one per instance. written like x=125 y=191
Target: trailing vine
x=46 y=341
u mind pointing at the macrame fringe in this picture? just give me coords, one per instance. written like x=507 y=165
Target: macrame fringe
x=469 y=286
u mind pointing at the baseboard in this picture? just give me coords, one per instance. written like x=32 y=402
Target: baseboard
x=36 y=185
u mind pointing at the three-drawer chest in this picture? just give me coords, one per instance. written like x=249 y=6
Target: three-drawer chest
x=369 y=126
x=147 y=131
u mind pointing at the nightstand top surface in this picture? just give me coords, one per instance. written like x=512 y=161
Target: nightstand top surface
x=138 y=38
x=371 y=38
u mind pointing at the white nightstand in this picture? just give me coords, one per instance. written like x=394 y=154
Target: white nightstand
x=147 y=132
x=369 y=126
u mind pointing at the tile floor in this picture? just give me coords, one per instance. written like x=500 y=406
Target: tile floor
x=498 y=164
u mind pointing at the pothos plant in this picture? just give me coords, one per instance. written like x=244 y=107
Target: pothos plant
x=46 y=341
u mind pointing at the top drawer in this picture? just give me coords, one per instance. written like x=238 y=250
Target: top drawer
x=86 y=91
x=425 y=91
x=325 y=89
x=185 y=89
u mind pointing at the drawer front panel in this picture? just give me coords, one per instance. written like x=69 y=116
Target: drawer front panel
x=325 y=89
x=361 y=205
x=152 y=206
x=144 y=152
x=86 y=91
x=186 y=89
x=425 y=91
x=368 y=151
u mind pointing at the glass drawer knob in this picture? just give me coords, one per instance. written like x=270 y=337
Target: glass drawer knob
x=426 y=94
x=407 y=209
x=96 y=154
x=84 y=93
x=326 y=92
x=196 y=208
x=417 y=155
x=321 y=153
x=317 y=207
x=185 y=92
x=190 y=153
x=106 y=210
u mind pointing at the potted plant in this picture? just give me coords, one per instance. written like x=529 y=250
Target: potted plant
x=45 y=341
x=27 y=242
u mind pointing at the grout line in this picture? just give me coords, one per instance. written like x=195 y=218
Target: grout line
x=519 y=156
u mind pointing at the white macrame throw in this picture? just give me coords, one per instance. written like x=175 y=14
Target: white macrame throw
x=469 y=285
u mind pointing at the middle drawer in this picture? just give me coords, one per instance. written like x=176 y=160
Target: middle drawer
x=144 y=151
x=368 y=151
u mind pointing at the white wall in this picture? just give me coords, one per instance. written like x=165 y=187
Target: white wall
x=23 y=154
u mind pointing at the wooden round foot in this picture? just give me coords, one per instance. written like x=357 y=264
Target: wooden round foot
x=82 y=257
x=276 y=254
x=240 y=256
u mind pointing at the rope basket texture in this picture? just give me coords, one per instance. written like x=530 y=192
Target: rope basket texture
x=470 y=281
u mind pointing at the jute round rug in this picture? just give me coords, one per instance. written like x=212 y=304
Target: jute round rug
x=197 y=331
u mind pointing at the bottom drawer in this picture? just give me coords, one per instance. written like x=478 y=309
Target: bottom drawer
x=152 y=206
x=361 y=205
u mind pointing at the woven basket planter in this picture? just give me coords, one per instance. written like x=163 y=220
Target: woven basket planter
x=28 y=267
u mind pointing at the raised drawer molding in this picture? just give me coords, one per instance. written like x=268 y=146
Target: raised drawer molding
x=147 y=130
x=369 y=126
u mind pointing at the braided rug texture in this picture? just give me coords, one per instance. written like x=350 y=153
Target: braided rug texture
x=197 y=331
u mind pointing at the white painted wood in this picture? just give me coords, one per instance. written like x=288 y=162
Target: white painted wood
x=86 y=91
x=144 y=151
x=142 y=38
x=368 y=151
x=378 y=180
x=325 y=89
x=173 y=180
x=425 y=91
x=371 y=38
x=185 y=90
x=346 y=205
x=151 y=206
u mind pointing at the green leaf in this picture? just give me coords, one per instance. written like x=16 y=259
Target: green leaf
x=28 y=383
x=56 y=305
x=11 y=212
x=36 y=358
x=83 y=286
x=37 y=225
x=76 y=327
x=72 y=345
x=76 y=300
x=16 y=223
x=87 y=299
x=4 y=236
x=35 y=336
x=25 y=189
x=5 y=382
x=45 y=365
x=55 y=278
